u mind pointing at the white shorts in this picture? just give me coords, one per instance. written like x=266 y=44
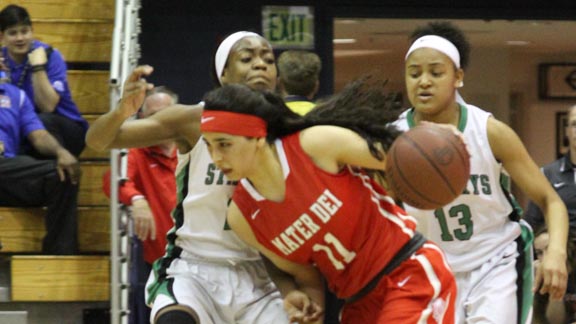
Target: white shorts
x=489 y=294
x=218 y=292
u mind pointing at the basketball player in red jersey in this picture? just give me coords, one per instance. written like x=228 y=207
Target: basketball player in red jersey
x=302 y=204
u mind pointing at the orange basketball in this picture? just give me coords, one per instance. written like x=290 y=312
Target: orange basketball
x=428 y=166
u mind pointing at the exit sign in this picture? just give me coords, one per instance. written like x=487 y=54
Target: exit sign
x=288 y=26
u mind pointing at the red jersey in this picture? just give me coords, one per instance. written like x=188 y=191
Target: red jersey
x=343 y=223
x=150 y=173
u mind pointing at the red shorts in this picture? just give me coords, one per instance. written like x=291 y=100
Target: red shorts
x=421 y=290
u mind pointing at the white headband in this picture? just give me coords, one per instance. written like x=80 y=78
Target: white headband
x=438 y=43
x=224 y=50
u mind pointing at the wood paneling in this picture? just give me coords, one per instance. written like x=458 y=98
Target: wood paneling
x=22 y=229
x=60 y=278
x=90 y=91
x=94 y=229
x=78 y=41
x=91 y=193
x=66 y=9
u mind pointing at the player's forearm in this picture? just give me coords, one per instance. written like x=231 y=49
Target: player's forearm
x=283 y=281
x=557 y=223
x=45 y=97
x=309 y=281
x=104 y=131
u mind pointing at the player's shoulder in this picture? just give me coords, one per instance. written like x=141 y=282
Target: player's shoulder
x=323 y=135
x=497 y=128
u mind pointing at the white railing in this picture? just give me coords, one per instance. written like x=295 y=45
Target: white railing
x=125 y=55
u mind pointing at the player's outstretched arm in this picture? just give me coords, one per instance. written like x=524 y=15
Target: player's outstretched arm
x=103 y=133
x=318 y=143
x=179 y=123
x=551 y=275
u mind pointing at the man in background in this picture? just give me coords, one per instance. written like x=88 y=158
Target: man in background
x=150 y=191
x=29 y=182
x=560 y=173
x=41 y=72
x=299 y=73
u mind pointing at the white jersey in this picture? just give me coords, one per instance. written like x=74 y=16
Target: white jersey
x=200 y=218
x=475 y=226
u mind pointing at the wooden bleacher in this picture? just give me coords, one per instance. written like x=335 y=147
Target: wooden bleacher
x=82 y=31
x=71 y=278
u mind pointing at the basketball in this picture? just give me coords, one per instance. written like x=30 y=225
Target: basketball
x=427 y=167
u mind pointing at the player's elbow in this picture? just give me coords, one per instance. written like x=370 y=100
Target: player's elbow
x=95 y=142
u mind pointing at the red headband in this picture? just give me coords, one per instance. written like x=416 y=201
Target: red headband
x=232 y=123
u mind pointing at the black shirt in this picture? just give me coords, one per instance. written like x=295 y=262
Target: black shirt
x=560 y=173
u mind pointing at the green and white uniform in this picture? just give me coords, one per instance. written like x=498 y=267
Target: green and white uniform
x=480 y=233
x=206 y=266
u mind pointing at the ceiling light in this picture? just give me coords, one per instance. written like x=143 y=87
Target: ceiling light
x=517 y=43
x=347 y=21
x=344 y=40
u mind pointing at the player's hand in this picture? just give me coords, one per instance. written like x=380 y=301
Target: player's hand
x=134 y=91
x=144 y=225
x=37 y=56
x=551 y=275
x=67 y=166
x=301 y=309
x=451 y=128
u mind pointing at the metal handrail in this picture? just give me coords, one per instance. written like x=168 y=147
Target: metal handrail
x=125 y=55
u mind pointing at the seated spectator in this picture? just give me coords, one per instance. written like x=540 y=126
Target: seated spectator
x=299 y=73
x=28 y=182
x=40 y=71
x=548 y=311
x=150 y=191
x=560 y=173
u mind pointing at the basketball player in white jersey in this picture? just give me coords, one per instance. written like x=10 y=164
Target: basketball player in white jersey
x=487 y=248
x=207 y=275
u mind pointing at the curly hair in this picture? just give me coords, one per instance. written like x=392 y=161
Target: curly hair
x=450 y=32
x=363 y=106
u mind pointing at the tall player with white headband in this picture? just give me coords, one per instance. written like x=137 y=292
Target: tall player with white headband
x=207 y=275
x=486 y=243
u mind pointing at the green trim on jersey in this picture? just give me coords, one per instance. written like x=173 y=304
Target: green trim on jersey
x=525 y=260
x=161 y=284
x=524 y=267
x=461 y=122
x=463 y=118
x=172 y=250
x=410 y=118
x=506 y=184
x=161 y=287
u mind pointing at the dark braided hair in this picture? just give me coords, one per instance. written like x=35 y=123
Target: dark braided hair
x=450 y=32
x=363 y=106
